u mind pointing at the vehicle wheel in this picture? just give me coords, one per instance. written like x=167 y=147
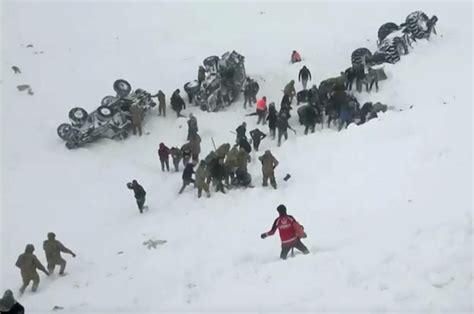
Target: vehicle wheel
x=104 y=112
x=78 y=115
x=211 y=61
x=64 y=131
x=108 y=100
x=122 y=88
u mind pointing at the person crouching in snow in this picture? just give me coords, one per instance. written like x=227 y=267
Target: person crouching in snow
x=295 y=57
x=290 y=233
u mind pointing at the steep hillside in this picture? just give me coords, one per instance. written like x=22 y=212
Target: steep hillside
x=387 y=205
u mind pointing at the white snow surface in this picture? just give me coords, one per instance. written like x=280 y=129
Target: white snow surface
x=387 y=206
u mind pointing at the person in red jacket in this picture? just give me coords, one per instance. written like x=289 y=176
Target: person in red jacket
x=262 y=110
x=164 y=154
x=295 y=57
x=290 y=233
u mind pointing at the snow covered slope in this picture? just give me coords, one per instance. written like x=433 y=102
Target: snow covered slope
x=387 y=206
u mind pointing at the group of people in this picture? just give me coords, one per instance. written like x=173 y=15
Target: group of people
x=29 y=264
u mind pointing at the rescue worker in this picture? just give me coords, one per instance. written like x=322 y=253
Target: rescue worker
x=202 y=173
x=303 y=76
x=187 y=176
x=272 y=119
x=290 y=233
x=242 y=158
x=230 y=164
x=187 y=152
x=241 y=132
x=257 y=136
x=221 y=151
x=295 y=57
x=28 y=264
x=8 y=304
x=290 y=91
x=164 y=154
x=195 y=143
x=176 y=154
x=192 y=126
x=269 y=163
x=177 y=103
x=139 y=193
x=261 y=110
x=283 y=126
x=161 y=103
x=137 y=113
x=53 y=249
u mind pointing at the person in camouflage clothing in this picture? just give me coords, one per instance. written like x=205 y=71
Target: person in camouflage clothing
x=161 y=103
x=202 y=174
x=137 y=113
x=28 y=264
x=230 y=164
x=195 y=143
x=176 y=155
x=192 y=126
x=53 y=249
x=242 y=159
x=269 y=163
x=221 y=151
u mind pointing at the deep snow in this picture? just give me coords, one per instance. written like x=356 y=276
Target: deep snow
x=387 y=206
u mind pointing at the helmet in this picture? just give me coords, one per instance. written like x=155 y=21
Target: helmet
x=281 y=209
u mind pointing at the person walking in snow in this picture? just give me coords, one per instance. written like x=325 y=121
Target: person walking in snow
x=161 y=103
x=283 y=126
x=53 y=249
x=187 y=152
x=272 y=118
x=291 y=233
x=176 y=154
x=139 y=193
x=241 y=132
x=261 y=110
x=202 y=173
x=269 y=163
x=28 y=264
x=177 y=103
x=164 y=154
x=187 y=176
x=192 y=126
x=137 y=113
x=303 y=76
x=257 y=136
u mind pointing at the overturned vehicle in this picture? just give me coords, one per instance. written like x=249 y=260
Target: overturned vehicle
x=222 y=82
x=112 y=119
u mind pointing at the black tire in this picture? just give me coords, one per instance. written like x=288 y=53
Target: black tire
x=211 y=61
x=108 y=100
x=64 y=131
x=386 y=29
x=122 y=88
x=358 y=56
x=105 y=112
x=78 y=116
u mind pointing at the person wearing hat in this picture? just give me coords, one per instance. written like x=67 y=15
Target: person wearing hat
x=290 y=233
x=139 y=192
x=53 y=249
x=28 y=264
x=269 y=163
x=8 y=304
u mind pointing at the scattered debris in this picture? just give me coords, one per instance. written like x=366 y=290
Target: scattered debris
x=153 y=243
x=23 y=87
x=30 y=92
x=16 y=69
x=57 y=308
x=29 y=46
x=120 y=252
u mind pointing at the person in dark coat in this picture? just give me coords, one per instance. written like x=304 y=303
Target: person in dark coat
x=201 y=74
x=164 y=154
x=176 y=154
x=192 y=126
x=283 y=126
x=257 y=136
x=218 y=173
x=285 y=102
x=177 y=103
x=241 y=132
x=140 y=194
x=8 y=304
x=187 y=176
x=340 y=102
x=304 y=75
x=272 y=118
